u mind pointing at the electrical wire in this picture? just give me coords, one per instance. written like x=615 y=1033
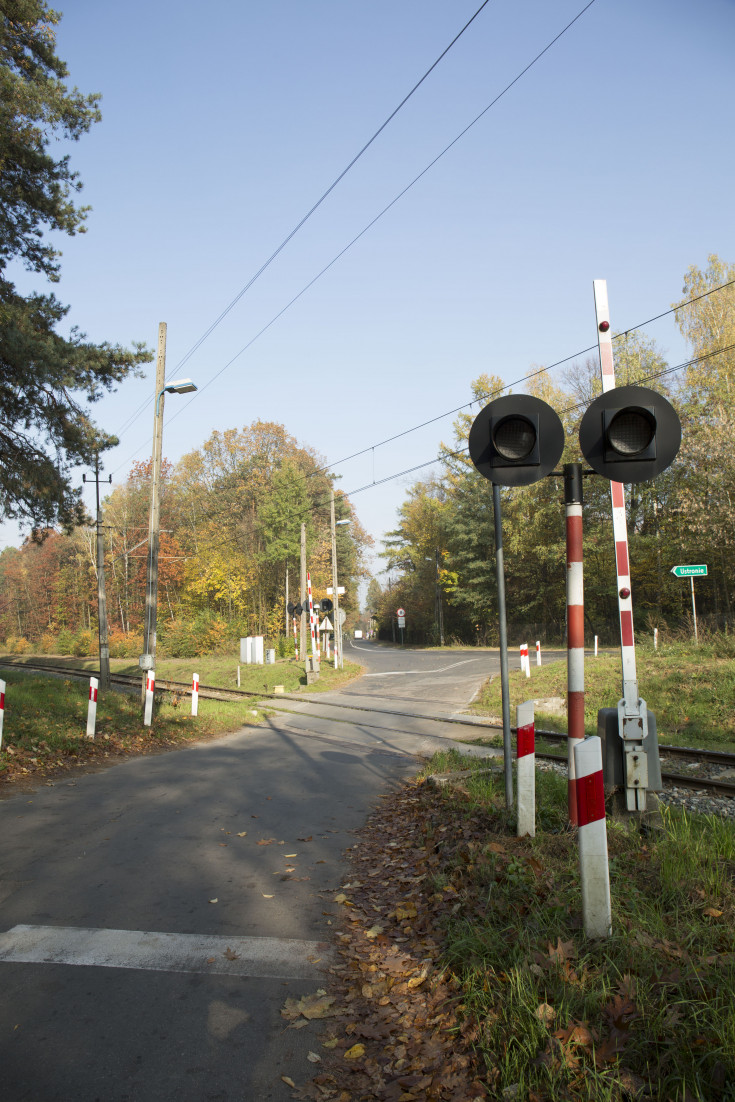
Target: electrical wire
x=133 y=417
x=383 y=212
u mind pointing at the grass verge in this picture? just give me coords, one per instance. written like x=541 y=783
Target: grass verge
x=44 y=730
x=691 y=690
x=649 y=1012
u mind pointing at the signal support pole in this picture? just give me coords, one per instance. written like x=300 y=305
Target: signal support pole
x=504 y=689
x=632 y=711
x=575 y=625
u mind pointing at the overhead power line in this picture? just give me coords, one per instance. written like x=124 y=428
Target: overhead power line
x=328 y=192
x=370 y=224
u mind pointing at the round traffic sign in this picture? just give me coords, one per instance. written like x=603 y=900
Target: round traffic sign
x=400 y=612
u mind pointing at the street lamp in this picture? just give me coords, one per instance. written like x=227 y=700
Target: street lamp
x=181 y=386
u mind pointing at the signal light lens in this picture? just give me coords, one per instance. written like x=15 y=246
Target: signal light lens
x=625 y=592
x=604 y=326
x=631 y=431
x=514 y=438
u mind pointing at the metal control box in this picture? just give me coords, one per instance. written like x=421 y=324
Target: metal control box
x=618 y=765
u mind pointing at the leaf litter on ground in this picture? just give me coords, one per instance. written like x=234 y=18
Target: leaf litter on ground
x=449 y=916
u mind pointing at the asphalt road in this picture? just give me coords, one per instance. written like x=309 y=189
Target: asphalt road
x=148 y=941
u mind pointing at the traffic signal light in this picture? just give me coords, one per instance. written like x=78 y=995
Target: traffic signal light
x=516 y=440
x=630 y=434
x=326 y=605
x=290 y=608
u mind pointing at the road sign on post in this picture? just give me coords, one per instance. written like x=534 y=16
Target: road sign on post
x=691 y=572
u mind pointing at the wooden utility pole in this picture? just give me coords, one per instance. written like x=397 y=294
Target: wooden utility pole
x=104 y=646
x=337 y=626
x=151 y=594
x=303 y=598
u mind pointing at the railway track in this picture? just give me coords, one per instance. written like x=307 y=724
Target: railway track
x=683 y=753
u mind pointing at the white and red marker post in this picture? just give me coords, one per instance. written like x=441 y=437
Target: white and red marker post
x=575 y=624
x=525 y=660
x=311 y=616
x=538 y=652
x=2 y=708
x=592 y=837
x=195 y=692
x=632 y=711
x=92 y=706
x=526 y=770
x=150 y=689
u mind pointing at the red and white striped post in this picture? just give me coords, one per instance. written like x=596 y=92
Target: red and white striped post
x=632 y=711
x=2 y=708
x=311 y=616
x=195 y=693
x=150 y=688
x=538 y=652
x=592 y=836
x=92 y=706
x=525 y=661
x=295 y=639
x=575 y=624
x=526 y=770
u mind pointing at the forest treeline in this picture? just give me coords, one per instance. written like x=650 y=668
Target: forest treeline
x=231 y=516
x=686 y=515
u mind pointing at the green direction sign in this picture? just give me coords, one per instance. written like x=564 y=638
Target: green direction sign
x=689 y=571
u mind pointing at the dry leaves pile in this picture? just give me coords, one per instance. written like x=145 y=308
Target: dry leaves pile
x=401 y=1026
x=396 y=1027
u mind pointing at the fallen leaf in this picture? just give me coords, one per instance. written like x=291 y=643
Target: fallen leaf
x=267 y=896
x=319 y=1005
x=230 y=954
x=287 y=855
x=545 y=1013
x=355 y=1053
x=241 y=833
x=265 y=841
x=289 y=1082
x=211 y=960
x=214 y=901
x=331 y=1043
x=313 y=1057
x=374 y=931
x=712 y=912
x=305 y=839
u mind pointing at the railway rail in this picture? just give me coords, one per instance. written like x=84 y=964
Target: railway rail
x=214 y=692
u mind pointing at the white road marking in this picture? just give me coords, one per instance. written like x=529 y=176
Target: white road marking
x=262 y=957
x=428 y=673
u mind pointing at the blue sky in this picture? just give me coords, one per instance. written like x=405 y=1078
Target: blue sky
x=612 y=158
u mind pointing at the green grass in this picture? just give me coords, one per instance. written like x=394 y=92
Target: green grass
x=46 y=717
x=46 y=720
x=555 y=1015
x=691 y=691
